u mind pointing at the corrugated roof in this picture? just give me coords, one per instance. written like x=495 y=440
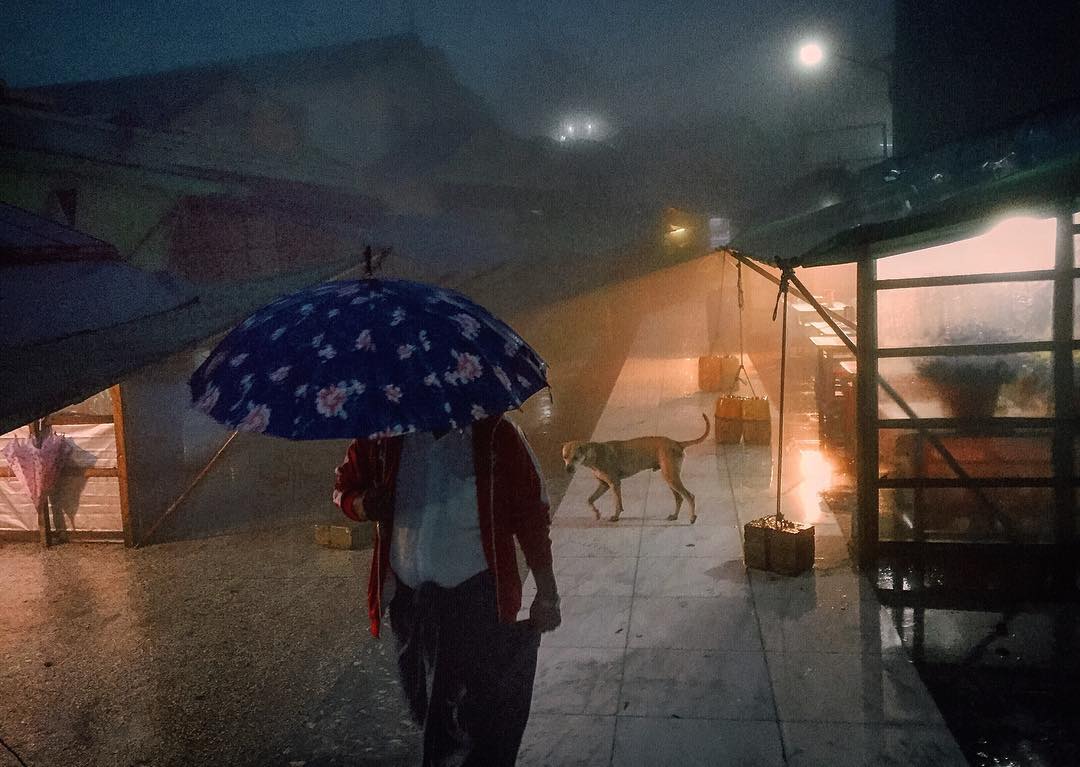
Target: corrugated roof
x=1028 y=165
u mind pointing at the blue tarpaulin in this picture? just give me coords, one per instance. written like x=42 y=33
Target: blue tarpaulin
x=56 y=282
x=26 y=237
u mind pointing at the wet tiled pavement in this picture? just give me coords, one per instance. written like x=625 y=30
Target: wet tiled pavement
x=671 y=653
x=236 y=650
x=252 y=649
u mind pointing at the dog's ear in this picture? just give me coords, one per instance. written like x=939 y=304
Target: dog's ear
x=568 y=449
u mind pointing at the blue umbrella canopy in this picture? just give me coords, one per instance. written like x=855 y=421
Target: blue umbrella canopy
x=366 y=358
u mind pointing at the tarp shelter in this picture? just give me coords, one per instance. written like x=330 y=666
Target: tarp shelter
x=28 y=238
x=55 y=282
x=942 y=282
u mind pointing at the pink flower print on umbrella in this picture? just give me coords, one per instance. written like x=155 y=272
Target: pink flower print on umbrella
x=469 y=326
x=330 y=400
x=478 y=412
x=257 y=419
x=364 y=342
x=512 y=346
x=210 y=397
x=238 y=360
x=215 y=361
x=504 y=379
x=37 y=467
x=433 y=346
x=468 y=368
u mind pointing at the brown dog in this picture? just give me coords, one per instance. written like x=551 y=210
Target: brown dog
x=616 y=460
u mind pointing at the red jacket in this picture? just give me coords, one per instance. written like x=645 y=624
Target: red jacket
x=510 y=495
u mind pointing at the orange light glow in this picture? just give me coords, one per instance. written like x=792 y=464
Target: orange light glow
x=817 y=476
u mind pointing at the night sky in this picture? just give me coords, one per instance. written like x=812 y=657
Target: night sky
x=629 y=62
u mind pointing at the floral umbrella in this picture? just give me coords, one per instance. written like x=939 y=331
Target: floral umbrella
x=37 y=466
x=366 y=358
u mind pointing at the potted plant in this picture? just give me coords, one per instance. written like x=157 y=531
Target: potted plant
x=969 y=385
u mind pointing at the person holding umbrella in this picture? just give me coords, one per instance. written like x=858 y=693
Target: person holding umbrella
x=418 y=377
x=448 y=508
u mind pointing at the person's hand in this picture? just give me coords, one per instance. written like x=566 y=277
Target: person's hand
x=544 y=614
x=374 y=505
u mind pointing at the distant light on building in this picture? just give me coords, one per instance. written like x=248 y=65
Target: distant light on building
x=719 y=231
x=581 y=127
x=811 y=54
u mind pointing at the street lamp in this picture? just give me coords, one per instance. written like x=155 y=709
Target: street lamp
x=812 y=54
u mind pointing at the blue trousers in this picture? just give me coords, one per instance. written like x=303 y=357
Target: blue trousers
x=467 y=677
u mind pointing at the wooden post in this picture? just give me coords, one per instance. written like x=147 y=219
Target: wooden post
x=865 y=521
x=116 y=396
x=44 y=526
x=1064 y=396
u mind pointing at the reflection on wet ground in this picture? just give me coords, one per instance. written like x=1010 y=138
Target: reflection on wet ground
x=238 y=649
x=238 y=641
x=241 y=642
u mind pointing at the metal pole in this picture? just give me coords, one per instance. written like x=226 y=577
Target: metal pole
x=1064 y=402
x=783 y=378
x=865 y=520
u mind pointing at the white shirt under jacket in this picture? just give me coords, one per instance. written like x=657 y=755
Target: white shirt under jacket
x=436 y=533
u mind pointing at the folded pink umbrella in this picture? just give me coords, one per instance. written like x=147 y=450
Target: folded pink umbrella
x=37 y=466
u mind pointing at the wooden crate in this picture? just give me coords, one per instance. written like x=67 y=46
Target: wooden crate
x=786 y=548
x=342 y=536
x=757 y=421
x=728 y=420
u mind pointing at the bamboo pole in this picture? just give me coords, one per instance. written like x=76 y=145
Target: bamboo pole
x=120 y=434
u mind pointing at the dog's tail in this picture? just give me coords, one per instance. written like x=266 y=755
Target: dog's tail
x=690 y=442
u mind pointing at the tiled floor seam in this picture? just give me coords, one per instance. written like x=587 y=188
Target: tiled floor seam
x=630 y=611
x=626 y=642
x=761 y=635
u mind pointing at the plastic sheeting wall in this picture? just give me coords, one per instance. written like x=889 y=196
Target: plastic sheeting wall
x=168 y=442
x=16 y=510
x=77 y=503
x=257 y=483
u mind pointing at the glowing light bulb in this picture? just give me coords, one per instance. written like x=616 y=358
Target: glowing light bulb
x=811 y=54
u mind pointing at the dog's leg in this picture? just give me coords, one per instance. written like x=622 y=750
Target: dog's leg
x=616 y=488
x=602 y=488
x=671 y=473
x=678 y=505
